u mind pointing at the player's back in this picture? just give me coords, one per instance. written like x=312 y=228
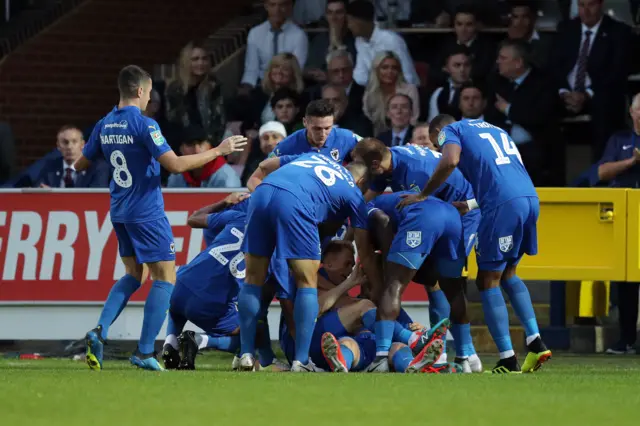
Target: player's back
x=413 y=166
x=432 y=208
x=131 y=144
x=217 y=221
x=490 y=161
x=323 y=185
x=218 y=272
x=338 y=145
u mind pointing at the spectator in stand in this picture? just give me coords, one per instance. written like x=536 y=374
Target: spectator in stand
x=59 y=172
x=215 y=174
x=446 y=99
x=275 y=36
x=400 y=110
x=338 y=37
x=420 y=136
x=402 y=11
x=473 y=101
x=620 y=167
x=523 y=104
x=194 y=98
x=308 y=12
x=153 y=107
x=269 y=135
x=466 y=33
x=440 y=12
x=522 y=26
x=286 y=106
x=385 y=81
x=283 y=72
x=371 y=40
x=590 y=64
x=344 y=116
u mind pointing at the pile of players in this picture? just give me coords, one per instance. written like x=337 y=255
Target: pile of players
x=293 y=238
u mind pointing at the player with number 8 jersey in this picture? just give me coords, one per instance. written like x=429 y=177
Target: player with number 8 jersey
x=134 y=147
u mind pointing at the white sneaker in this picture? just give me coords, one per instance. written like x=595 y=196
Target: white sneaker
x=380 y=364
x=247 y=363
x=275 y=366
x=464 y=363
x=235 y=364
x=475 y=363
x=298 y=367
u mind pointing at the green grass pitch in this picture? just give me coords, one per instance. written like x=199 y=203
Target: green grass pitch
x=570 y=390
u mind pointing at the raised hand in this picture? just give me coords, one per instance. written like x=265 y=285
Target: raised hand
x=236 y=143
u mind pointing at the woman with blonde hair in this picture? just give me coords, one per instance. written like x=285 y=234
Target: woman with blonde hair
x=194 y=97
x=386 y=79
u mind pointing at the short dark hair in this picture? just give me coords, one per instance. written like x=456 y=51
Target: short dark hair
x=521 y=48
x=344 y=2
x=402 y=95
x=68 y=127
x=457 y=49
x=466 y=9
x=473 y=85
x=130 y=79
x=338 y=246
x=192 y=135
x=361 y=9
x=440 y=121
x=531 y=4
x=285 y=93
x=369 y=150
x=319 y=108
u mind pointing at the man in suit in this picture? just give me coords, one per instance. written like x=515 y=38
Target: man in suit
x=344 y=116
x=445 y=99
x=473 y=102
x=524 y=102
x=590 y=63
x=399 y=112
x=59 y=172
x=481 y=48
x=522 y=26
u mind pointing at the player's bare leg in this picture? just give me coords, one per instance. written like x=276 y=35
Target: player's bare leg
x=135 y=274
x=249 y=305
x=520 y=299
x=156 y=307
x=351 y=315
x=305 y=311
x=497 y=319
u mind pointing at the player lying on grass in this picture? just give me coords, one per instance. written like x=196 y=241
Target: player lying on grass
x=383 y=229
x=206 y=291
x=343 y=315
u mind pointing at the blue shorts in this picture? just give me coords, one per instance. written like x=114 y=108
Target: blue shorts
x=149 y=242
x=277 y=218
x=216 y=319
x=508 y=232
x=366 y=340
x=282 y=279
x=418 y=237
x=327 y=323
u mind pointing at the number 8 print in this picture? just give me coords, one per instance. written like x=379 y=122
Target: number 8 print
x=119 y=169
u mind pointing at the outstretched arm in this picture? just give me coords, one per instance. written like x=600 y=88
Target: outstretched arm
x=264 y=169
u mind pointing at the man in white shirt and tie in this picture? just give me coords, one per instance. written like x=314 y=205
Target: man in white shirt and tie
x=399 y=112
x=276 y=35
x=371 y=40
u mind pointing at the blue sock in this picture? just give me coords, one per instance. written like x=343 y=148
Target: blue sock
x=116 y=301
x=175 y=324
x=305 y=312
x=521 y=301
x=401 y=359
x=497 y=318
x=224 y=343
x=439 y=307
x=248 y=309
x=265 y=351
x=155 y=311
x=369 y=319
x=401 y=334
x=462 y=340
x=384 y=336
x=347 y=355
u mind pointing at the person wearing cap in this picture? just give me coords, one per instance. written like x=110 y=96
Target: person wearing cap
x=371 y=40
x=215 y=174
x=269 y=135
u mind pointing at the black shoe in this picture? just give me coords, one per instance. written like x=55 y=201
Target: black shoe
x=188 y=350
x=170 y=357
x=507 y=366
x=537 y=346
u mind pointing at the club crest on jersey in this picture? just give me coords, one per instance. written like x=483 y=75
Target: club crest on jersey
x=335 y=154
x=441 y=137
x=505 y=243
x=414 y=238
x=172 y=248
x=157 y=137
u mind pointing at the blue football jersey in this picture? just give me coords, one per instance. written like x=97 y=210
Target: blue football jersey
x=388 y=202
x=413 y=166
x=131 y=144
x=218 y=272
x=490 y=161
x=217 y=221
x=325 y=186
x=338 y=145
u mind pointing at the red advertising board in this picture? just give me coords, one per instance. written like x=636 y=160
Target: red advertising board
x=59 y=246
